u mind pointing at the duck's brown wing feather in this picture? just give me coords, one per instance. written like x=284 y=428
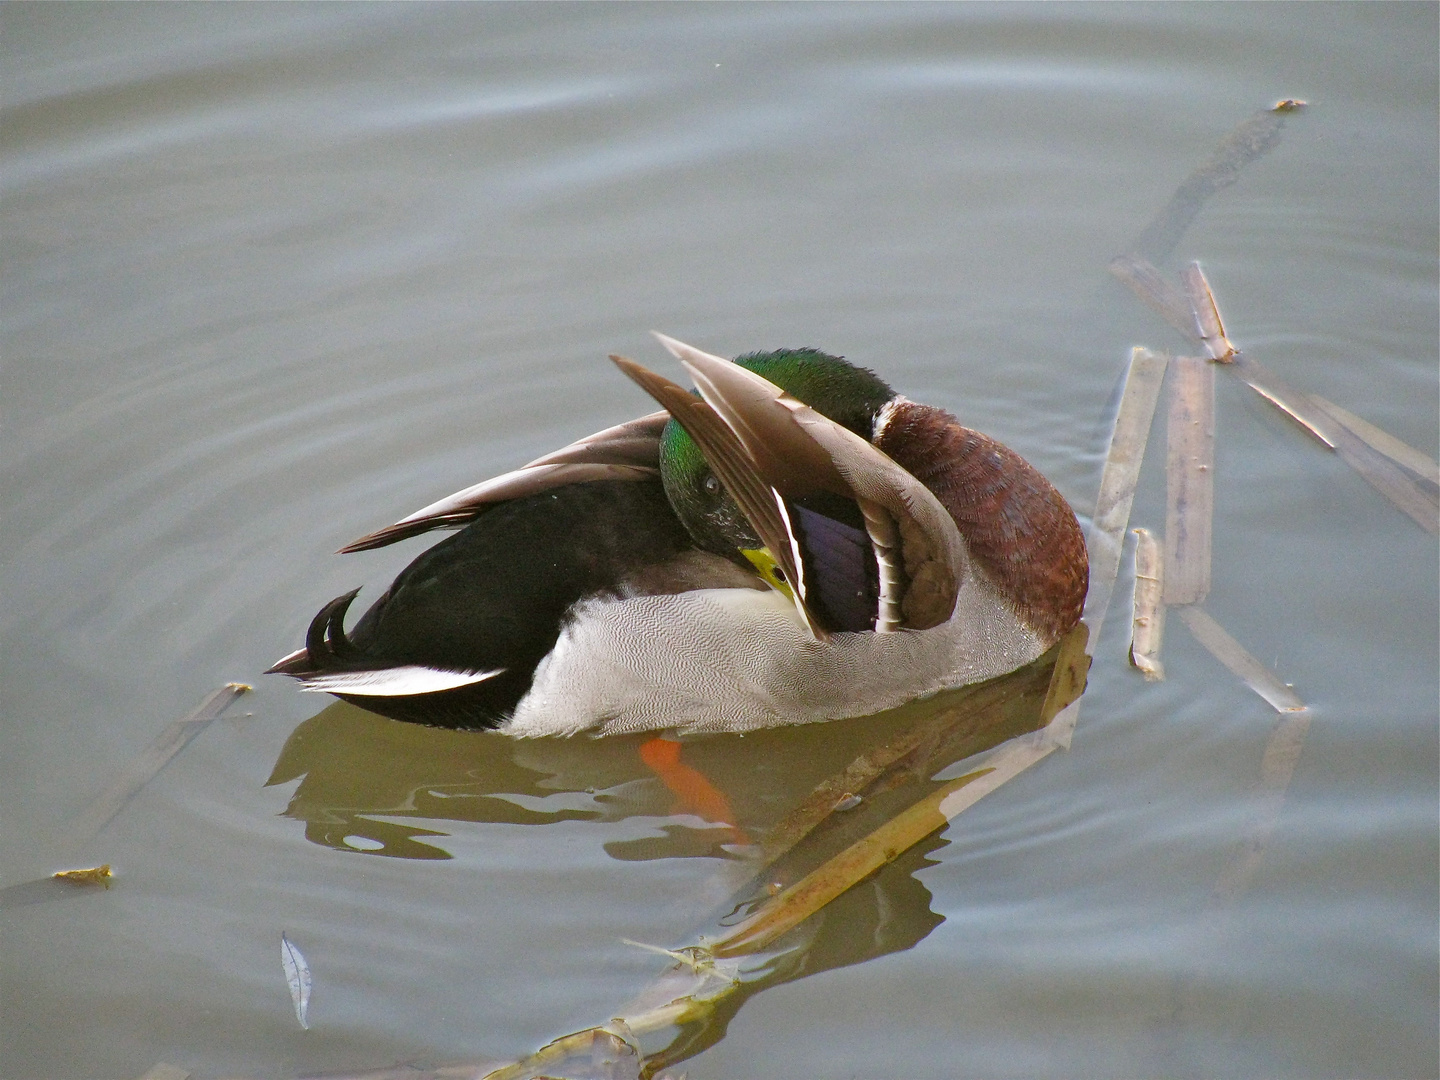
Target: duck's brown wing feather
x=628 y=451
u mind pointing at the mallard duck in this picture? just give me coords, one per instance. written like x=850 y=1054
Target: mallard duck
x=793 y=542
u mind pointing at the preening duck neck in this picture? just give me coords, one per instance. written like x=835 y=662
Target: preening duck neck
x=1019 y=530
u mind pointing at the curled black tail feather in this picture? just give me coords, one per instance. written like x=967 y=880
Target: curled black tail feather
x=325 y=641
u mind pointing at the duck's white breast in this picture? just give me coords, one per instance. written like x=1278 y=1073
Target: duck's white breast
x=740 y=659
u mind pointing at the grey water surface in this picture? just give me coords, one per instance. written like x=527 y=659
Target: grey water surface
x=274 y=276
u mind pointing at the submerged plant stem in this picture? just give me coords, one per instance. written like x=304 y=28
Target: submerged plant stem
x=171 y=740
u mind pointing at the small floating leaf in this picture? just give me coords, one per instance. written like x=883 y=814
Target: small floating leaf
x=297 y=974
x=95 y=875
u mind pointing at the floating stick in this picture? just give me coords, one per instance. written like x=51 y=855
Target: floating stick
x=165 y=746
x=599 y=1051
x=903 y=831
x=1117 y=482
x=1420 y=503
x=1295 y=404
x=1149 y=623
x=1417 y=498
x=1235 y=657
x=1190 y=480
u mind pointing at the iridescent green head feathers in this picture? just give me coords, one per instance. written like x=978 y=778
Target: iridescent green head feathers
x=849 y=395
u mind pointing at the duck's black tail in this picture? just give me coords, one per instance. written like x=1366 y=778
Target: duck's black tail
x=334 y=662
x=327 y=647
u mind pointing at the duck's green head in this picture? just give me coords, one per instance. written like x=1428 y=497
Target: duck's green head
x=849 y=395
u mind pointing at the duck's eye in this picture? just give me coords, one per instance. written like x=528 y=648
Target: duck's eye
x=712 y=485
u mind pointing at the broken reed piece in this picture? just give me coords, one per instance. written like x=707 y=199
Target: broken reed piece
x=1207 y=315
x=1418 y=499
x=155 y=757
x=1211 y=331
x=1106 y=539
x=706 y=974
x=1189 y=480
x=1148 y=627
x=1365 y=448
x=597 y=1051
x=1296 y=404
x=970 y=721
x=1410 y=489
x=1382 y=441
x=1235 y=657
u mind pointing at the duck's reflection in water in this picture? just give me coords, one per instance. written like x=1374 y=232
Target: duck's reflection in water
x=362 y=776
x=364 y=779
x=367 y=783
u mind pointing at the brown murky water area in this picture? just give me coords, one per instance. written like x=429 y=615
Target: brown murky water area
x=274 y=276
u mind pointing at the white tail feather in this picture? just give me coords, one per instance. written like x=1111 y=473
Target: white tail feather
x=403 y=681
